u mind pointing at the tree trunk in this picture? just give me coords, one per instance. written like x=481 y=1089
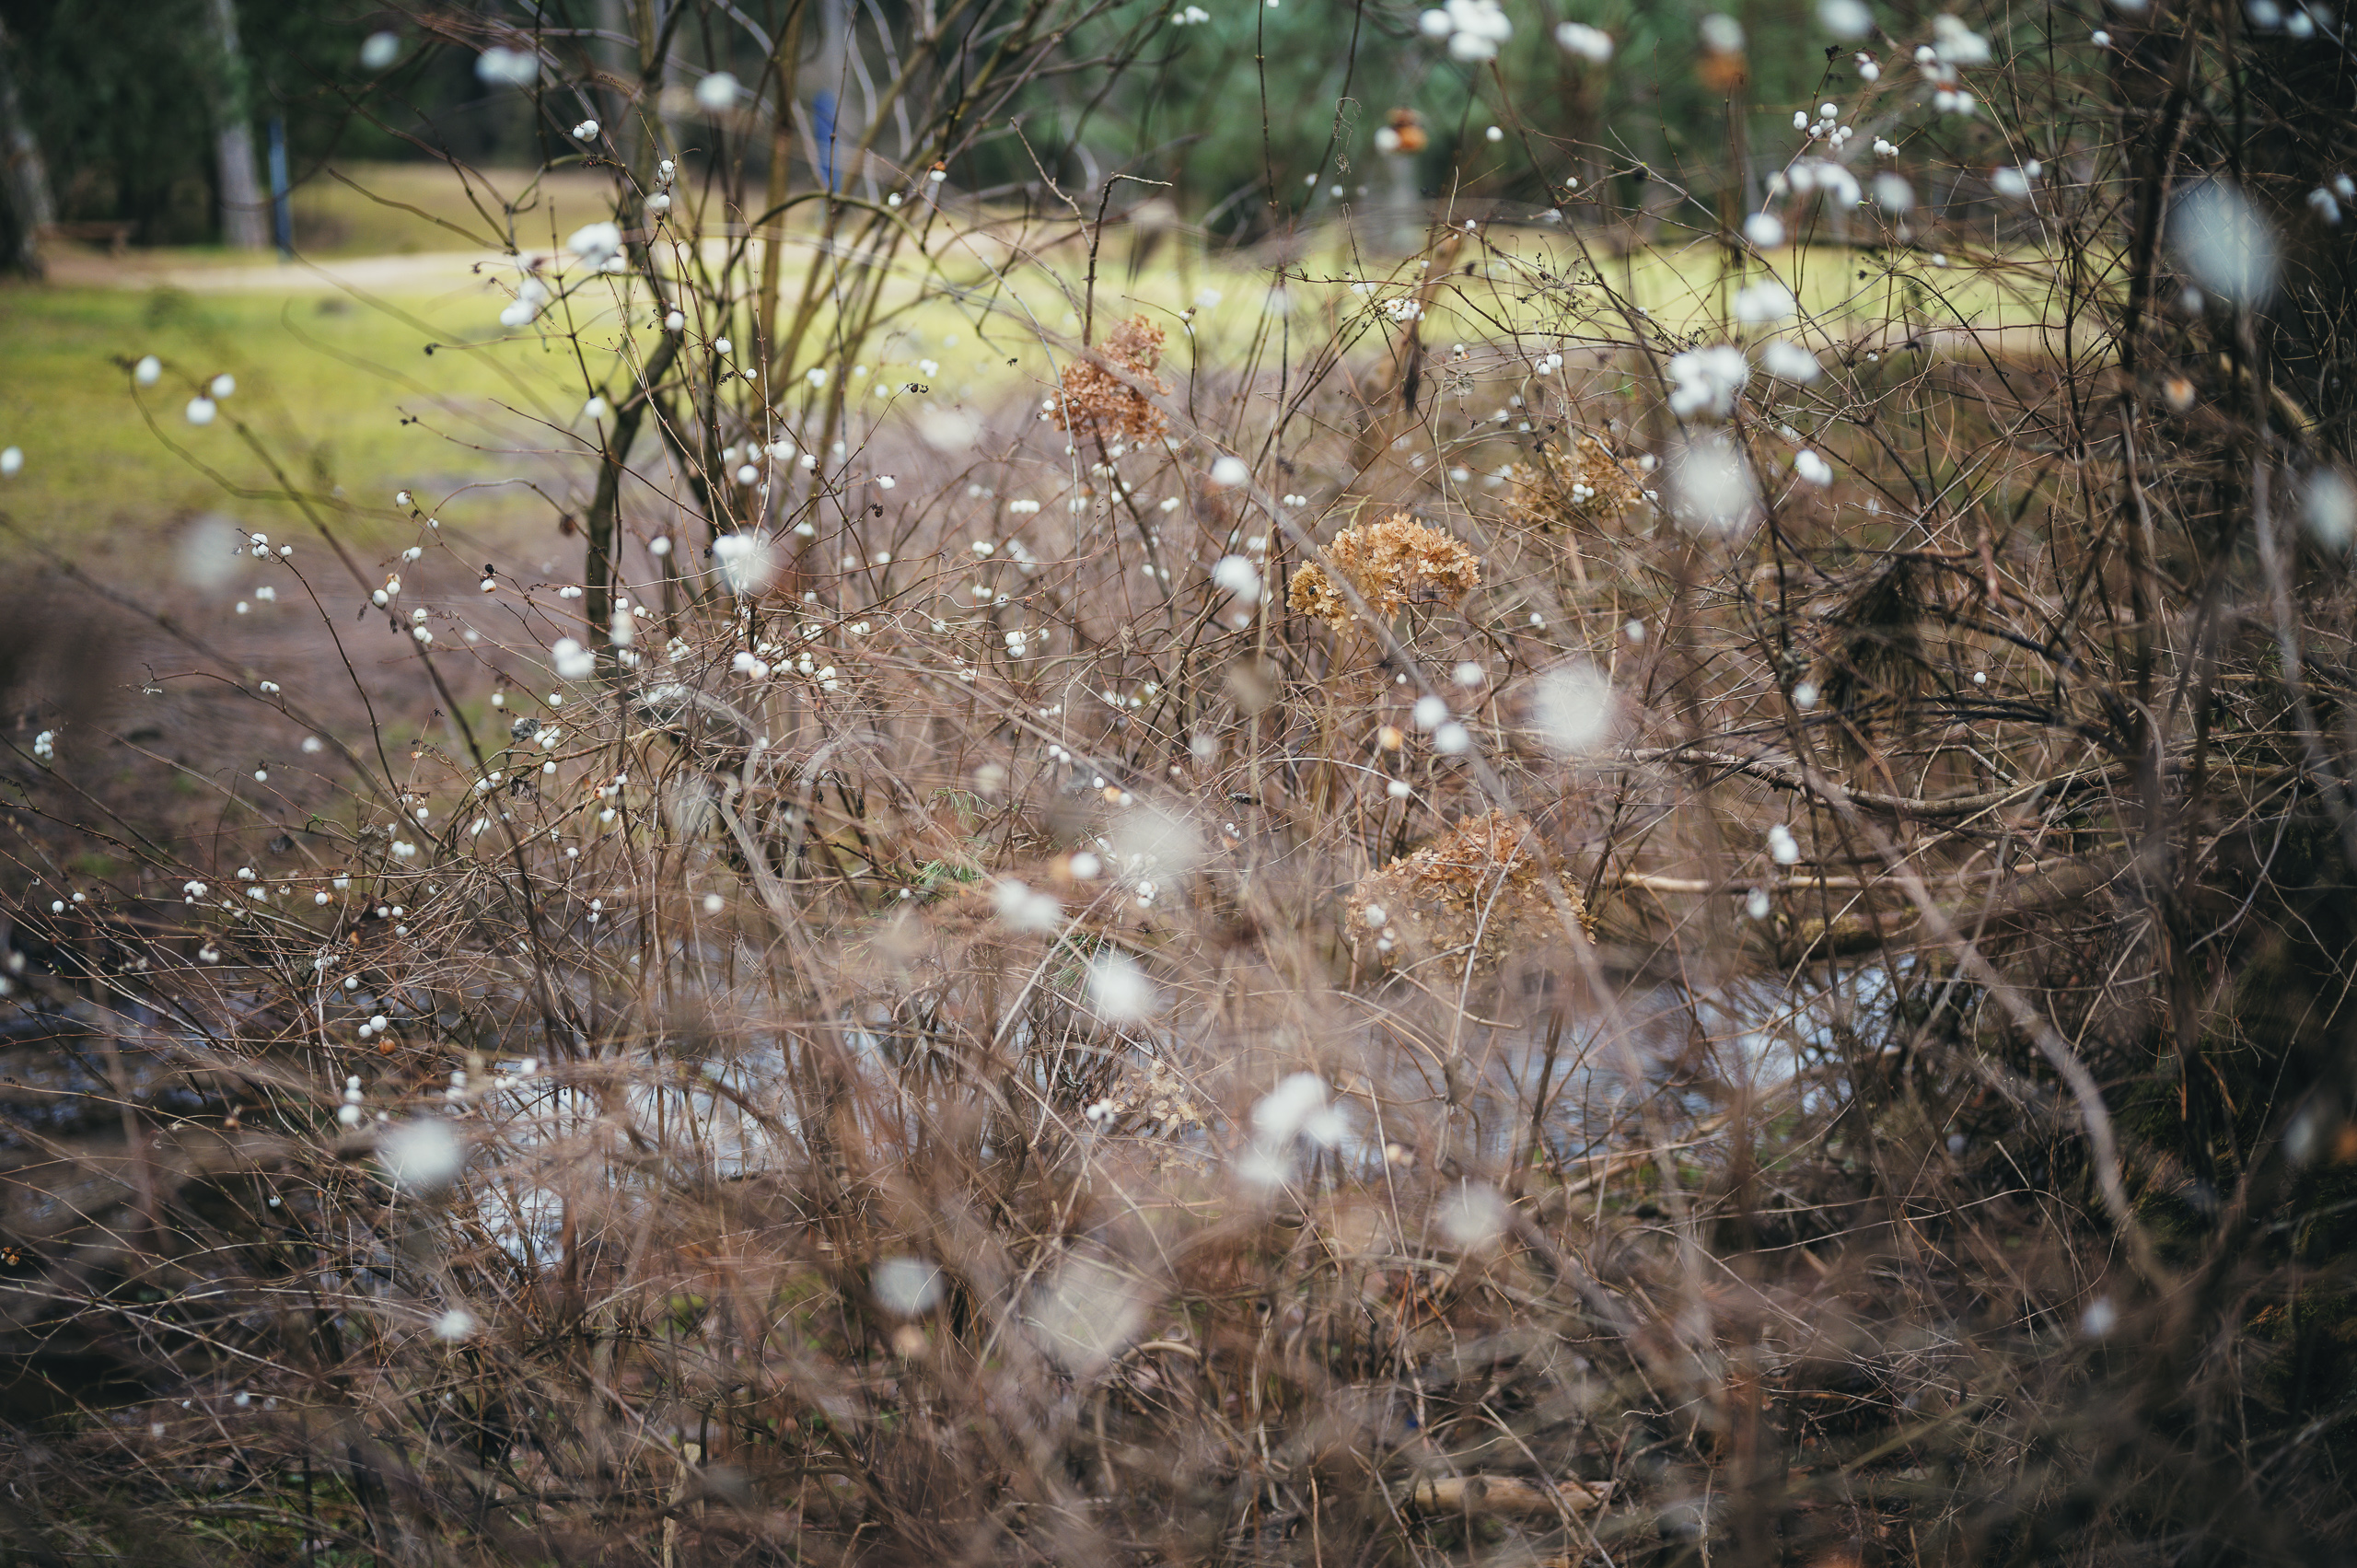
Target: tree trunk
x=26 y=176
x=244 y=222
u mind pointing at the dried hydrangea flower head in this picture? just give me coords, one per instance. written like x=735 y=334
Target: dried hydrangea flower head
x=1095 y=402
x=1586 y=484
x=1475 y=893
x=1394 y=563
x=1156 y=1100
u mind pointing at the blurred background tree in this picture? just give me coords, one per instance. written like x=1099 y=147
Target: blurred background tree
x=124 y=100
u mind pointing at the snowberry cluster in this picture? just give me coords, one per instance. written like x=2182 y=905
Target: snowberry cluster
x=1827 y=127
x=1474 y=29
x=1955 y=47
x=2327 y=200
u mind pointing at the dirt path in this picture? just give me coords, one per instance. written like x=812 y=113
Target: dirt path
x=216 y=723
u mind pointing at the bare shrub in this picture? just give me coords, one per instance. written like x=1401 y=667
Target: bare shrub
x=1754 y=969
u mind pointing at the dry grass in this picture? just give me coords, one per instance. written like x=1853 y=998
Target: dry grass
x=1015 y=994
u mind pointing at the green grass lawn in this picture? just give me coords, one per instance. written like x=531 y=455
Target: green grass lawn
x=399 y=209
x=391 y=209
x=339 y=386
x=343 y=396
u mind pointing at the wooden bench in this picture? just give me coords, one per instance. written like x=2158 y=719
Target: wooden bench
x=112 y=233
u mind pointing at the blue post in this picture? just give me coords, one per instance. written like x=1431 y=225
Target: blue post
x=282 y=206
x=822 y=125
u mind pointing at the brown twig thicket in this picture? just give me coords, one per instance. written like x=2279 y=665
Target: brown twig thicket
x=1466 y=920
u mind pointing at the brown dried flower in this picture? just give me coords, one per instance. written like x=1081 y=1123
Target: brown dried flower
x=1474 y=892
x=1158 y=1099
x=1396 y=561
x=1586 y=484
x=1095 y=402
